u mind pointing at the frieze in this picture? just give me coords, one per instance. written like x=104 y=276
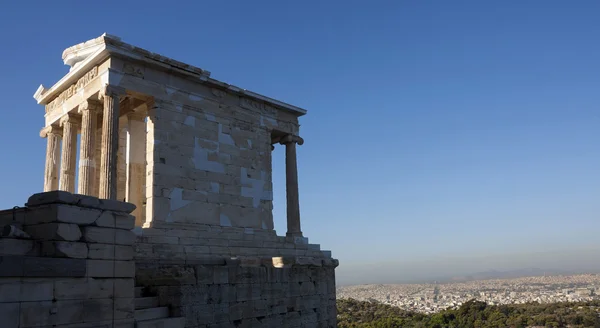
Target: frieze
x=218 y=93
x=133 y=70
x=70 y=91
x=255 y=105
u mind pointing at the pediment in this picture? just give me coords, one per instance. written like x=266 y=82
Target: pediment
x=74 y=55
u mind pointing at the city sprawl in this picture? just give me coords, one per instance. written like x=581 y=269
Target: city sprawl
x=430 y=298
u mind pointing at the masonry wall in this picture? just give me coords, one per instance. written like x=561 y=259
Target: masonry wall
x=220 y=292
x=67 y=261
x=208 y=247
x=212 y=165
x=208 y=149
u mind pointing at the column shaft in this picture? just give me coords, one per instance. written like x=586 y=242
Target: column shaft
x=87 y=152
x=291 y=186
x=69 y=153
x=136 y=167
x=110 y=144
x=52 y=134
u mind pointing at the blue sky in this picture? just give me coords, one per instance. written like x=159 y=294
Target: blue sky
x=433 y=128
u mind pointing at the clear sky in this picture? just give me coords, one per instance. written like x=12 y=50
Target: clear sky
x=434 y=128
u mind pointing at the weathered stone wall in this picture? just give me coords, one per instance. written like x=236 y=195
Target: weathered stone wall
x=67 y=261
x=208 y=149
x=180 y=242
x=211 y=165
x=224 y=292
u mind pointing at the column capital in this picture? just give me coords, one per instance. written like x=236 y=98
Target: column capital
x=110 y=90
x=137 y=116
x=290 y=138
x=51 y=129
x=91 y=105
x=69 y=118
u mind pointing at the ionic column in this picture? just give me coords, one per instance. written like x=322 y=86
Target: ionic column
x=70 y=125
x=87 y=154
x=136 y=164
x=291 y=185
x=110 y=142
x=53 y=135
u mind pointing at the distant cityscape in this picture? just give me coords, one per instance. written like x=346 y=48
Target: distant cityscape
x=431 y=298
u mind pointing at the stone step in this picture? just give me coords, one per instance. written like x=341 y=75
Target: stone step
x=162 y=323
x=145 y=302
x=139 y=291
x=151 y=313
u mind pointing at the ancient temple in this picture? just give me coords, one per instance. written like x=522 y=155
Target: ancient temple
x=156 y=168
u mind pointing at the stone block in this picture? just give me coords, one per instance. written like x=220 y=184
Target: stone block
x=14 y=230
x=100 y=268
x=159 y=240
x=100 y=288
x=61 y=213
x=10 y=290
x=123 y=252
x=101 y=251
x=98 y=310
x=10 y=314
x=11 y=246
x=193 y=241
x=37 y=290
x=64 y=249
x=117 y=206
x=99 y=235
x=51 y=197
x=124 y=269
x=54 y=231
x=247 y=292
x=11 y=266
x=88 y=201
x=313 y=247
x=124 y=237
x=106 y=220
x=166 y=275
x=220 y=250
x=308 y=261
x=13 y=216
x=196 y=249
x=124 y=288
x=34 y=314
x=166 y=252
x=204 y=274
x=68 y=312
x=124 y=221
x=220 y=275
x=53 y=267
x=124 y=308
x=154 y=232
x=71 y=289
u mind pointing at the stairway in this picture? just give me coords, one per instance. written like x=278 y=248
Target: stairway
x=149 y=315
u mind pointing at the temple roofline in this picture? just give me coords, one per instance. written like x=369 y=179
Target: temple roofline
x=85 y=55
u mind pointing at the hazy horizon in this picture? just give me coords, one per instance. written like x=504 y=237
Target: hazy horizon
x=584 y=260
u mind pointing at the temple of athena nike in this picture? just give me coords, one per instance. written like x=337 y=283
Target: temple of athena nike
x=157 y=201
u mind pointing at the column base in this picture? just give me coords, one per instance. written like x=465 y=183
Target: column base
x=296 y=238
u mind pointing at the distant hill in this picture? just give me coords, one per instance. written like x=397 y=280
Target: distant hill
x=495 y=274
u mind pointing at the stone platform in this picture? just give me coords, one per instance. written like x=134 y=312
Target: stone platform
x=71 y=261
